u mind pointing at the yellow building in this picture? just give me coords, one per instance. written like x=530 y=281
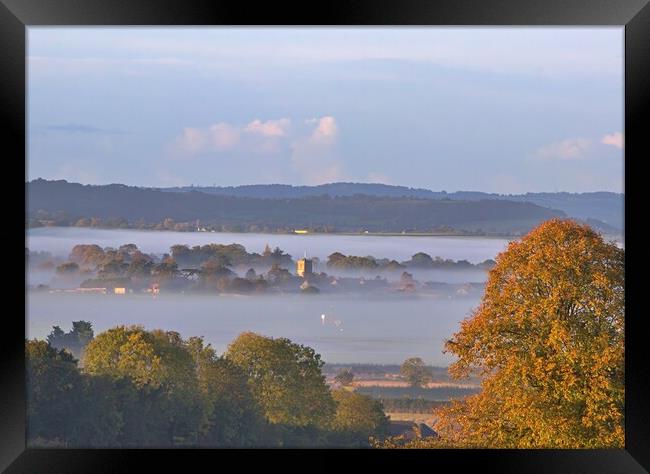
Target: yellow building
x=120 y=291
x=304 y=266
x=301 y=231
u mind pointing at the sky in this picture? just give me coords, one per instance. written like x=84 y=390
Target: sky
x=506 y=110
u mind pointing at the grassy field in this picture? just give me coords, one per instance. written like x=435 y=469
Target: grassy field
x=434 y=394
x=426 y=418
x=405 y=385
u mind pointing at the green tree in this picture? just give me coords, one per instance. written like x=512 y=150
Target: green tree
x=74 y=341
x=358 y=417
x=54 y=392
x=415 y=372
x=250 y=274
x=548 y=339
x=344 y=377
x=100 y=419
x=285 y=378
x=421 y=260
x=231 y=416
x=159 y=365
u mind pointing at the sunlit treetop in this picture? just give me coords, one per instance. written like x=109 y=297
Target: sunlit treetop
x=548 y=339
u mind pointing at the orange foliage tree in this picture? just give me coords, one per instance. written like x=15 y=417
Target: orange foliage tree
x=548 y=341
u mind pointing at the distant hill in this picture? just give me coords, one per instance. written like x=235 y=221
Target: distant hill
x=606 y=207
x=63 y=203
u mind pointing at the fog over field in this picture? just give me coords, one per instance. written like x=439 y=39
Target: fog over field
x=381 y=330
x=356 y=327
x=60 y=240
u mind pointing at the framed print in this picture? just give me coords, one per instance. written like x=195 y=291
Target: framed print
x=394 y=232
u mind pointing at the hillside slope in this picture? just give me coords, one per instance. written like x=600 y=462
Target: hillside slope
x=606 y=207
x=71 y=201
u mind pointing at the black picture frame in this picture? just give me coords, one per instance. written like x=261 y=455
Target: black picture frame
x=634 y=15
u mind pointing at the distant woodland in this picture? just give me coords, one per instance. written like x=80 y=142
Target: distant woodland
x=606 y=207
x=60 y=203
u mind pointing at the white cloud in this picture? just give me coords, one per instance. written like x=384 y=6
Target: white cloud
x=314 y=157
x=569 y=149
x=191 y=141
x=270 y=128
x=613 y=139
x=256 y=136
x=326 y=130
x=223 y=136
x=217 y=137
x=311 y=149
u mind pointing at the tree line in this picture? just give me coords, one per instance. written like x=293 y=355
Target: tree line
x=222 y=267
x=60 y=201
x=419 y=260
x=128 y=387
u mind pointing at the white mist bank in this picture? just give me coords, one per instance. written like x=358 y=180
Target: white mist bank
x=356 y=328
x=60 y=240
x=381 y=330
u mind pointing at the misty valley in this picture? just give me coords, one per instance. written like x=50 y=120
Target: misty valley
x=319 y=237
x=350 y=309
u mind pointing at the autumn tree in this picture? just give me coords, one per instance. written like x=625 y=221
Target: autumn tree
x=112 y=267
x=212 y=271
x=548 y=341
x=165 y=271
x=415 y=372
x=68 y=268
x=285 y=378
x=140 y=265
x=89 y=255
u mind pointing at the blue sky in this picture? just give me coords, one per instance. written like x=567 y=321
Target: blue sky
x=506 y=110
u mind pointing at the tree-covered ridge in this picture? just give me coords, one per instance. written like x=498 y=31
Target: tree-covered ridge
x=63 y=203
x=606 y=207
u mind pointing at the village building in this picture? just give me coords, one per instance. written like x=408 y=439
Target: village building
x=304 y=267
